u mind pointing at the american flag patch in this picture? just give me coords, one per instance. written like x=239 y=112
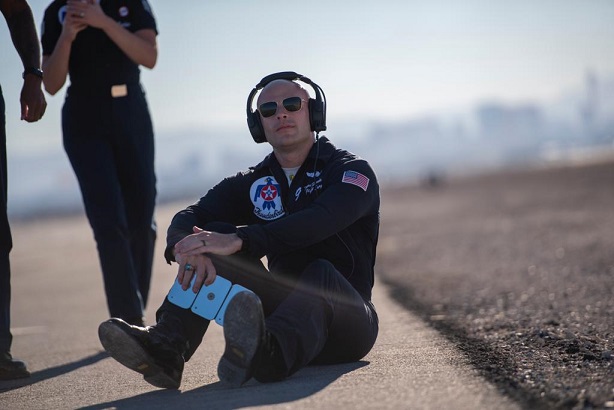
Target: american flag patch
x=355 y=178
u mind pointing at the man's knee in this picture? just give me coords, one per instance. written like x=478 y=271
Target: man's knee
x=321 y=277
x=321 y=268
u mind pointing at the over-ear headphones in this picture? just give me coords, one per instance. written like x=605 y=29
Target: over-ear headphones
x=316 y=107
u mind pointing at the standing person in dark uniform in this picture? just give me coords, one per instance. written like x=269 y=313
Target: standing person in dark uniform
x=313 y=210
x=21 y=25
x=108 y=133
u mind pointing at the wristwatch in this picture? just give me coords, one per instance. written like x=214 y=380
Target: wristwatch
x=34 y=71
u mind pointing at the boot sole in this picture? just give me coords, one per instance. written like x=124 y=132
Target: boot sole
x=129 y=352
x=243 y=330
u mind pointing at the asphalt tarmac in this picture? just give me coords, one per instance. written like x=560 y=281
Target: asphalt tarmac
x=516 y=267
x=58 y=303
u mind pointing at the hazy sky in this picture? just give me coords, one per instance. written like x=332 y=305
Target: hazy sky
x=374 y=59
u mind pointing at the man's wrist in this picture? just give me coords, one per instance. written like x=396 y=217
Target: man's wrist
x=245 y=240
x=32 y=71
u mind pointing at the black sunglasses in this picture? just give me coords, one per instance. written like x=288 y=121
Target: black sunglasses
x=291 y=104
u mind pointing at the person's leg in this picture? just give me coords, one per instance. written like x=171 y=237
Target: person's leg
x=158 y=352
x=9 y=368
x=351 y=334
x=319 y=318
x=238 y=269
x=6 y=243
x=93 y=161
x=6 y=338
x=134 y=151
x=323 y=320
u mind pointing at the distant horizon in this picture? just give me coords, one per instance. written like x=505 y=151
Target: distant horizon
x=335 y=124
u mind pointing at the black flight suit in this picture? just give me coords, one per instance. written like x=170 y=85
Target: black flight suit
x=319 y=236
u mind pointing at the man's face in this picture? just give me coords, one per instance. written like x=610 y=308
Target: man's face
x=285 y=127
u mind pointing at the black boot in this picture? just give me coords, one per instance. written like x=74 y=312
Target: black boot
x=10 y=368
x=250 y=349
x=136 y=321
x=155 y=351
x=269 y=364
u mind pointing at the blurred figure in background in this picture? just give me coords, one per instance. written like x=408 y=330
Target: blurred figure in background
x=21 y=25
x=108 y=133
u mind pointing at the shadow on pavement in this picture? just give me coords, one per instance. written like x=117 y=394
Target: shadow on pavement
x=52 y=372
x=306 y=382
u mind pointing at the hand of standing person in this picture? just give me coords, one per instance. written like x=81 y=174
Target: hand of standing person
x=20 y=22
x=73 y=24
x=89 y=13
x=56 y=65
x=139 y=46
x=32 y=99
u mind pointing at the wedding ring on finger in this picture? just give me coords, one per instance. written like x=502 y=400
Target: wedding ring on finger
x=188 y=267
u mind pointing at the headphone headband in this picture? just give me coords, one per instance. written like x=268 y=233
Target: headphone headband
x=316 y=107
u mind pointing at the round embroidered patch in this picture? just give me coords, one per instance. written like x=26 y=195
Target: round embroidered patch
x=265 y=194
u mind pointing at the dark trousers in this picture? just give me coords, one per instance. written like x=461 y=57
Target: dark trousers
x=6 y=242
x=317 y=318
x=110 y=144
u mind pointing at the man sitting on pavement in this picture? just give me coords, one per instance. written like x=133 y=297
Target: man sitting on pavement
x=313 y=210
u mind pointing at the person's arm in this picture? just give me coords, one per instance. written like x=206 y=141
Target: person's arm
x=340 y=204
x=140 y=47
x=352 y=193
x=55 y=66
x=222 y=203
x=216 y=205
x=21 y=25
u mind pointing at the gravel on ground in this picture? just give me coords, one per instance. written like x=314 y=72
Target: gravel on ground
x=517 y=267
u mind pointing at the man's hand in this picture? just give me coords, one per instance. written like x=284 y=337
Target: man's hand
x=199 y=265
x=21 y=25
x=208 y=242
x=32 y=99
x=191 y=254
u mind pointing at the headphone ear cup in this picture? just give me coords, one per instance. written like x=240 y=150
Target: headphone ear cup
x=255 y=127
x=317 y=116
